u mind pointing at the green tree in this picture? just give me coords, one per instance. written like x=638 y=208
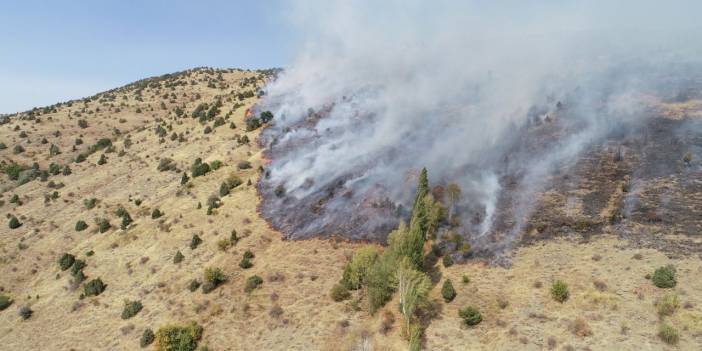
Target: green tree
x=356 y=271
x=413 y=287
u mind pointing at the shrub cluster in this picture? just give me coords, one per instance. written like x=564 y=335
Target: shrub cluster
x=178 y=337
x=214 y=277
x=252 y=283
x=94 y=287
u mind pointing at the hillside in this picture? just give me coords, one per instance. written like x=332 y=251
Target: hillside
x=129 y=148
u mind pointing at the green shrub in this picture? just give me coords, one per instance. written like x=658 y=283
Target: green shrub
x=18 y=149
x=77 y=267
x=194 y=285
x=470 y=315
x=447 y=291
x=81 y=225
x=266 y=116
x=13 y=170
x=252 y=123
x=466 y=279
x=103 y=224
x=126 y=218
x=245 y=263
x=178 y=258
x=5 y=302
x=559 y=291
x=178 y=337
x=664 y=277
x=199 y=168
x=102 y=160
x=131 y=308
x=668 y=334
x=94 y=287
x=252 y=283
x=156 y=213
x=223 y=189
x=16 y=200
x=66 y=261
x=147 y=338
x=90 y=203
x=216 y=164
x=14 y=223
x=195 y=242
x=339 y=293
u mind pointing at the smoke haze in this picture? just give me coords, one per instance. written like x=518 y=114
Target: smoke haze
x=378 y=92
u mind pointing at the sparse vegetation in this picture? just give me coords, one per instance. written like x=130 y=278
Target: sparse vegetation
x=339 y=293
x=559 y=291
x=668 y=305
x=668 y=334
x=252 y=283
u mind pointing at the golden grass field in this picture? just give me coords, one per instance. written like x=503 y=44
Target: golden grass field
x=609 y=291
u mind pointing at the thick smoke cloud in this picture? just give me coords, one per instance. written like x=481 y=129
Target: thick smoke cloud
x=378 y=92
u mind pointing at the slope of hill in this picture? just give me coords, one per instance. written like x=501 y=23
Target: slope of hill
x=129 y=148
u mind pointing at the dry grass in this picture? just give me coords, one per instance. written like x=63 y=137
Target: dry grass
x=292 y=309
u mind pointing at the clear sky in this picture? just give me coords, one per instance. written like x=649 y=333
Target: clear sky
x=59 y=50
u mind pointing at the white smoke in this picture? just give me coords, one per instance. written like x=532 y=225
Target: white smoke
x=380 y=91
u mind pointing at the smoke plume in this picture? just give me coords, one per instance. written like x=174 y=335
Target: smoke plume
x=379 y=91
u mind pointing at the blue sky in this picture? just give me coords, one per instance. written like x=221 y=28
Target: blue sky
x=53 y=51
x=58 y=50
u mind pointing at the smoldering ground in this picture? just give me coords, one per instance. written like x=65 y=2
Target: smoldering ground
x=495 y=98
